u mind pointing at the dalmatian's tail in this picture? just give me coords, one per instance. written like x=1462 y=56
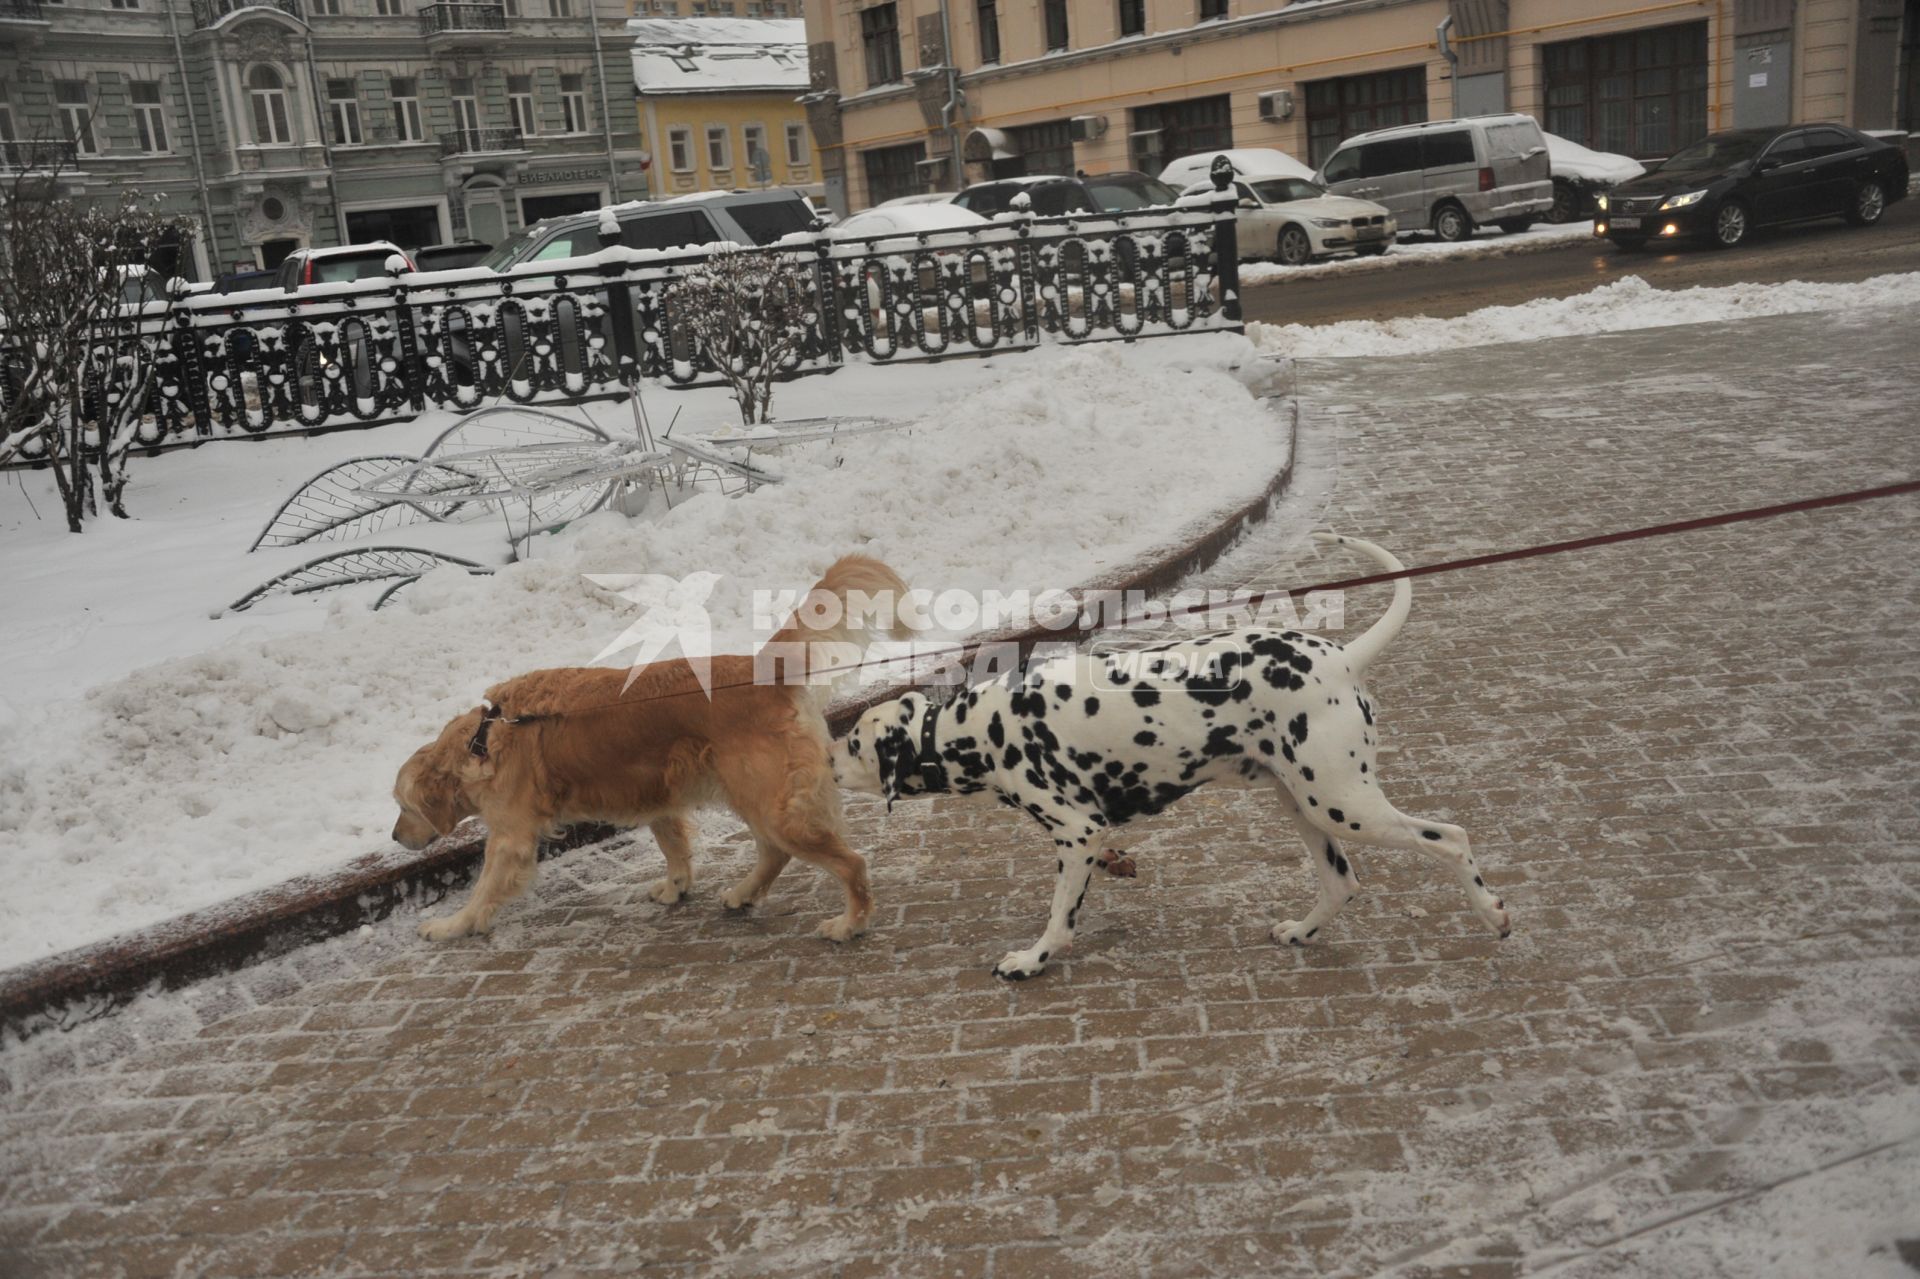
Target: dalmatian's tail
x=1362 y=651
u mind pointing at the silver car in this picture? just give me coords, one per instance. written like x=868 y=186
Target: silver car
x=1449 y=175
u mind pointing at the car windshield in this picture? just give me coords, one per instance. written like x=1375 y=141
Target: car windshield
x=346 y=268
x=1111 y=195
x=1720 y=152
x=509 y=251
x=1283 y=190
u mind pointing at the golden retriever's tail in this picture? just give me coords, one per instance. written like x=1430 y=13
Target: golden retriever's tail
x=858 y=602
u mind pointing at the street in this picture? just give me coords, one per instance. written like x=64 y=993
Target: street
x=1831 y=250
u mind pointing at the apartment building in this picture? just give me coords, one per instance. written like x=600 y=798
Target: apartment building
x=918 y=95
x=719 y=102
x=284 y=123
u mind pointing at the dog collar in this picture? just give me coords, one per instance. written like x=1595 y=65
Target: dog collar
x=489 y=715
x=933 y=775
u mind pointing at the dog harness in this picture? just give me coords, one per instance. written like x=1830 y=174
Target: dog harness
x=489 y=715
x=933 y=774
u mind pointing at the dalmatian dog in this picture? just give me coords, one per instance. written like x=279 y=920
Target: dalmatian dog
x=1087 y=742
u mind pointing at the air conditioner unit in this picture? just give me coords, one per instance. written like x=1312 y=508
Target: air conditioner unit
x=1086 y=128
x=1277 y=106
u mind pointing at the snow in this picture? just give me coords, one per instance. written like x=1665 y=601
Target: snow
x=1249 y=162
x=1488 y=242
x=718 y=55
x=907 y=219
x=1571 y=160
x=154 y=760
x=1627 y=303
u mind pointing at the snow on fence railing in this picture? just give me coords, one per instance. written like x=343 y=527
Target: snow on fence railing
x=373 y=351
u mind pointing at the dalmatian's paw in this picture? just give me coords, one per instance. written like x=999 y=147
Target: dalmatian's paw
x=1018 y=965
x=1294 y=933
x=1497 y=918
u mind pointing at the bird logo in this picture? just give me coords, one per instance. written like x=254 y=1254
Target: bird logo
x=673 y=616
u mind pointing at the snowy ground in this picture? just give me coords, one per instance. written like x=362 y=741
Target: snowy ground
x=1487 y=242
x=158 y=759
x=1627 y=303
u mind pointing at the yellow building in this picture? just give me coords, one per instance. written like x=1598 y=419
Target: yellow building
x=715 y=95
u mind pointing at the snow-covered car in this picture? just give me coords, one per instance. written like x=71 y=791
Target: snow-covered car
x=925 y=197
x=897 y=227
x=1050 y=195
x=1294 y=220
x=1579 y=175
x=1261 y=161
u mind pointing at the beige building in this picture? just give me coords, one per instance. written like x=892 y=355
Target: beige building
x=1057 y=85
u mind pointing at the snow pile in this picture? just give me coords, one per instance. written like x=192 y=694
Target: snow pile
x=1488 y=242
x=268 y=755
x=1627 y=303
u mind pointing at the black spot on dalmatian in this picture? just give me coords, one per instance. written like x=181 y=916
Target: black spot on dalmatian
x=1335 y=860
x=1144 y=738
x=1306 y=773
x=1093 y=706
x=1336 y=814
x=1430 y=834
x=1145 y=697
x=1366 y=711
x=996 y=731
x=1297 y=729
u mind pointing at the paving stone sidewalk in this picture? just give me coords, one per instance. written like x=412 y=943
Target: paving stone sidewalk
x=1687 y=764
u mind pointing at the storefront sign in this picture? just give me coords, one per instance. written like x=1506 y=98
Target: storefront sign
x=537 y=177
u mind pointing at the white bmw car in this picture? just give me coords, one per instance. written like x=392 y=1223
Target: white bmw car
x=1293 y=221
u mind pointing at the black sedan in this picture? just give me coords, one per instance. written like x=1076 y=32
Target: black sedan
x=1722 y=187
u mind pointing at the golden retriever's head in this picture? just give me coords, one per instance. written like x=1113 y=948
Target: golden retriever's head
x=431 y=788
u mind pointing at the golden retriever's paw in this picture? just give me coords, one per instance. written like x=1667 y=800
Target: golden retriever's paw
x=444 y=929
x=841 y=928
x=742 y=896
x=667 y=891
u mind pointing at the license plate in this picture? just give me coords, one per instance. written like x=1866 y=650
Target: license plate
x=1626 y=222
x=1371 y=232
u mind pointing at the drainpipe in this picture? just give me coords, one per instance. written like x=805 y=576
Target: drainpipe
x=193 y=135
x=955 y=173
x=606 y=112
x=326 y=146
x=1453 y=59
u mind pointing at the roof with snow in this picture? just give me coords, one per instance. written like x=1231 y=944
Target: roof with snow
x=718 y=55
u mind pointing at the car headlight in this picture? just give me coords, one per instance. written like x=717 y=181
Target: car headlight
x=1682 y=201
x=1600 y=202
x=1329 y=224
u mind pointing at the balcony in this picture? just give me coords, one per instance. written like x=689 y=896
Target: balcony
x=22 y=22
x=38 y=155
x=464 y=26
x=480 y=142
x=209 y=13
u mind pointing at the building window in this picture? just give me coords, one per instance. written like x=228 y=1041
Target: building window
x=268 y=94
x=1642 y=94
x=386 y=8
x=986 y=17
x=719 y=147
x=1175 y=129
x=797 y=146
x=126 y=4
x=1043 y=148
x=1056 y=24
x=76 y=115
x=330 y=8
x=1133 y=17
x=520 y=99
x=560 y=8
x=343 y=113
x=406 y=109
x=880 y=35
x=680 y=149
x=894 y=171
x=149 y=117
x=754 y=138
x=1212 y=9
x=466 y=112
x=1338 y=109
x=573 y=102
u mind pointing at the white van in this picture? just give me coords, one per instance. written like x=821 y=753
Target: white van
x=1450 y=175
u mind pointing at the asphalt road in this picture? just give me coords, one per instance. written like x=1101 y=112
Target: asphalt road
x=1830 y=251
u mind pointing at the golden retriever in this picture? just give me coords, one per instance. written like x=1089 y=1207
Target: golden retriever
x=571 y=745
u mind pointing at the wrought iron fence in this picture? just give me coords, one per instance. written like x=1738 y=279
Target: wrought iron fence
x=372 y=351
x=437 y=19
